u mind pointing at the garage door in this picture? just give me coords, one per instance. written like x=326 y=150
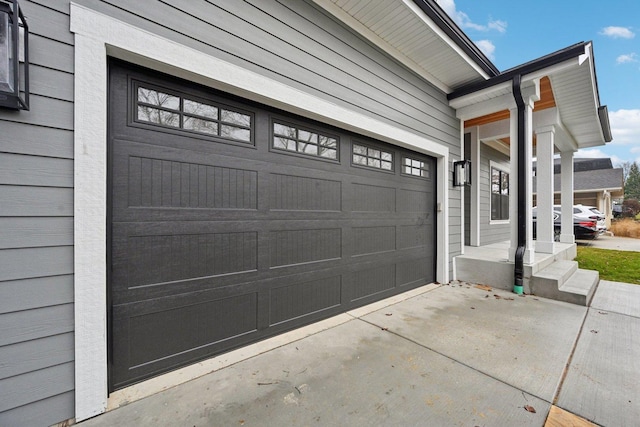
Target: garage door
x=230 y=222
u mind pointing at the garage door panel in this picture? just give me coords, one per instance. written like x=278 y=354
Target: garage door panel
x=373 y=198
x=216 y=244
x=414 y=201
x=293 y=247
x=196 y=326
x=294 y=301
x=373 y=239
x=413 y=271
x=168 y=258
x=304 y=193
x=414 y=236
x=371 y=280
x=210 y=183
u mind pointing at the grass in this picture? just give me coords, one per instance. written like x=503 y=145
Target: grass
x=617 y=266
x=626 y=227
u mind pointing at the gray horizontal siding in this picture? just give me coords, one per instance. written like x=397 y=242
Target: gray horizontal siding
x=41 y=412
x=33 y=386
x=51 y=83
x=34 y=324
x=26 y=294
x=35 y=232
x=57 y=5
x=49 y=112
x=36 y=354
x=35 y=201
x=490 y=233
x=35 y=140
x=43 y=21
x=35 y=262
x=38 y=171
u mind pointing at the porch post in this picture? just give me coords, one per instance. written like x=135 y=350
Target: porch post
x=475 y=188
x=544 y=179
x=566 y=171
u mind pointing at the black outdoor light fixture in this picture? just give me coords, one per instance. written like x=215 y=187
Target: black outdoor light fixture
x=14 y=57
x=461 y=173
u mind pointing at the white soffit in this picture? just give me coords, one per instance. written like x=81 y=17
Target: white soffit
x=404 y=31
x=575 y=92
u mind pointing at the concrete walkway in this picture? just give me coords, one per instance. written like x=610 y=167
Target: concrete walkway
x=448 y=355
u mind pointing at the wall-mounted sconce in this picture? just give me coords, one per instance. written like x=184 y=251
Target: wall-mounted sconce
x=14 y=57
x=461 y=173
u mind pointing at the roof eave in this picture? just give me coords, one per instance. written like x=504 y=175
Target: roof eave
x=451 y=29
x=571 y=52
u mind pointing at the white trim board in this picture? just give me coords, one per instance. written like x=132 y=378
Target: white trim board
x=98 y=36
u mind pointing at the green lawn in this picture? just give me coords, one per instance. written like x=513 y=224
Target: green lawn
x=617 y=266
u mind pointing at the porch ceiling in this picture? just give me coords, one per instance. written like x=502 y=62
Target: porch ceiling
x=418 y=34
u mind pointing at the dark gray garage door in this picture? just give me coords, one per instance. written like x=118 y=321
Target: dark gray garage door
x=231 y=222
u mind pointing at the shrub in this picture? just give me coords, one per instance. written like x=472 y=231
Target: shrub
x=626 y=227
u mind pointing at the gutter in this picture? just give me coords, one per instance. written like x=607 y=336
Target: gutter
x=603 y=115
x=558 y=57
x=518 y=272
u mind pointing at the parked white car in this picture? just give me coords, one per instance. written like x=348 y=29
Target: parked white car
x=588 y=212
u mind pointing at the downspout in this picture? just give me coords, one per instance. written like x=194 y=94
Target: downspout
x=518 y=272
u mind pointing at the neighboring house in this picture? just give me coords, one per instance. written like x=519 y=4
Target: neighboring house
x=192 y=178
x=596 y=183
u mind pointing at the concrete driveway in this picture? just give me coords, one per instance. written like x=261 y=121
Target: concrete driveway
x=454 y=355
x=613 y=242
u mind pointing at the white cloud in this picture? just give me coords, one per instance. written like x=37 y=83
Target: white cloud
x=487 y=48
x=624 y=59
x=618 y=32
x=500 y=26
x=463 y=20
x=625 y=126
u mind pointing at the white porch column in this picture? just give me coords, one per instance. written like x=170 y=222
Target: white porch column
x=475 y=188
x=527 y=176
x=566 y=171
x=544 y=179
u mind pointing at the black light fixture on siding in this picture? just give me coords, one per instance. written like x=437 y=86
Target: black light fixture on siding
x=14 y=57
x=461 y=173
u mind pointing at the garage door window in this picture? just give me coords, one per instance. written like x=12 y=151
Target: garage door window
x=291 y=138
x=166 y=109
x=415 y=167
x=372 y=157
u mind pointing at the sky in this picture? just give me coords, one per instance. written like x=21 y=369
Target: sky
x=512 y=33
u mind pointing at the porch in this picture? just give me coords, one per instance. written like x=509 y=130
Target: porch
x=550 y=275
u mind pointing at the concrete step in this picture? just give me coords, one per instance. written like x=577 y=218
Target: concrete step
x=564 y=281
x=580 y=287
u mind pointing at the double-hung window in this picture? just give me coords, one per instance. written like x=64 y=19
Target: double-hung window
x=499 y=195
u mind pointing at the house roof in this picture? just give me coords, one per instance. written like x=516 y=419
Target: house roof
x=581 y=164
x=591 y=180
